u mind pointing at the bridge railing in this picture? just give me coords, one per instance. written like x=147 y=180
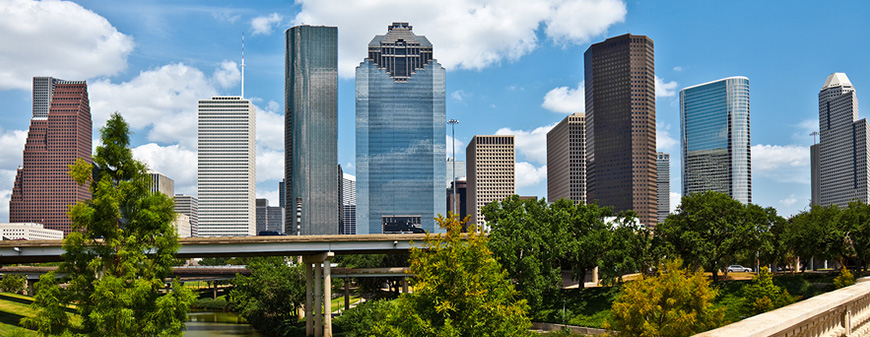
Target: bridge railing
x=843 y=312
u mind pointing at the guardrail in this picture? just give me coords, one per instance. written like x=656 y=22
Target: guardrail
x=843 y=312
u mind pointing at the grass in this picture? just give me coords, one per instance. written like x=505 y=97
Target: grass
x=12 y=308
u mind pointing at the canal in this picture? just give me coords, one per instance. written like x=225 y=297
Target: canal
x=203 y=324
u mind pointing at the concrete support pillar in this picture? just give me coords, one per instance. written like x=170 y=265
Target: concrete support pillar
x=318 y=300
x=327 y=297
x=309 y=318
x=214 y=290
x=346 y=293
x=404 y=285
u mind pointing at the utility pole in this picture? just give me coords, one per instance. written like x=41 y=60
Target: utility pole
x=814 y=134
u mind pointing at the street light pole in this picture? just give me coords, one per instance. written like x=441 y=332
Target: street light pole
x=453 y=123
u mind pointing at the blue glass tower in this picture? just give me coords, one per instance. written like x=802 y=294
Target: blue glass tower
x=714 y=132
x=400 y=133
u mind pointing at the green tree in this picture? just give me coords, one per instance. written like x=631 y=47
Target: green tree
x=50 y=318
x=673 y=303
x=761 y=295
x=631 y=248
x=120 y=250
x=360 y=321
x=709 y=230
x=459 y=290
x=13 y=283
x=855 y=224
x=815 y=233
x=527 y=238
x=270 y=297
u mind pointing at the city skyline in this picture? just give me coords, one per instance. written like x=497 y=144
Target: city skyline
x=508 y=85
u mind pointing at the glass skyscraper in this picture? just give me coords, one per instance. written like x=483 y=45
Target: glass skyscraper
x=400 y=132
x=714 y=133
x=311 y=130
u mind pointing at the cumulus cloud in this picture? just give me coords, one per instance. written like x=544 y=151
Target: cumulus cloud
x=173 y=161
x=12 y=149
x=675 y=199
x=265 y=24
x=164 y=98
x=269 y=194
x=7 y=179
x=532 y=145
x=466 y=34
x=791 y=200
x=460 y=148
x=270 y=164
x=57 y=38
x=460 y=96
x=664 y=140
x=228 y=74
x=781 y=163
x=528 y=175
x=270 y=127
x=565 y=99
x=665 y=89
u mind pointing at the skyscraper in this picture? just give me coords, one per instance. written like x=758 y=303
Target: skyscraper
x=400 y=132
x=491 y=165
x=59 y=134
x=566 y=159
x=226 y=175
x=269 y=218
x=843 y=144
x=348 y=203
x=714 y=133
x=161 y=183
x=461 y=200
x=621 y=125
x=189 y=206
x=663 y=173
x=311 y=128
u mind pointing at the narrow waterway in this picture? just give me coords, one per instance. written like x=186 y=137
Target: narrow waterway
x=204 y=324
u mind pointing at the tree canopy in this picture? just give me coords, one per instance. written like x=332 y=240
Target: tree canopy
x=119 y=252
x=270 y=297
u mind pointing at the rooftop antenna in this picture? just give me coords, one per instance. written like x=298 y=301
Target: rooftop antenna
x=243 y=65
x=814 y=134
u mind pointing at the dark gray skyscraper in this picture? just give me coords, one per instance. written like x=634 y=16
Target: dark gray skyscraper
x=311 y=129
x=400 y=132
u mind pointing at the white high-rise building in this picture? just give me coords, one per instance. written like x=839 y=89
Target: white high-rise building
x=348 y=203
x=491 y=174
x=843 y=147
x=226 y=175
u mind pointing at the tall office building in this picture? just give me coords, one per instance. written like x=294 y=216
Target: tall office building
x=621 y=125
x=663 y=173
x=348 y=203
x=491 y=165
x=161 y=183
x=460 y=200
x=400 y=132
x=311 y=128
x=460 y=170
x=226 y=175
x=815 y=176
x=189 y=206
x=269 y=218
x=566 y=159
x=282 y=193
x=43 y=188
x=714 y=132
x=843 y=144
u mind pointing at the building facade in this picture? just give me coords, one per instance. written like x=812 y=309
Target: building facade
x=460 y=170
x=715 y=139
x=460 y=201
x=269 y=218
x=189 y=206
x=161 y=183
x=843 y=144
x=815 y=176
x=400 y=132
x=182 y=225
x=663 y=173
x=28 y=231
x=43 y=189
x=226 y=173
x=348 y=203
x=491 y=166
x=566 y=159
x=311 y=128
x=621 y=125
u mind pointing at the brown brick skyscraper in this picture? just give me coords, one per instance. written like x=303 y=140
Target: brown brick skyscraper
x=43 y=189
x=621 y=125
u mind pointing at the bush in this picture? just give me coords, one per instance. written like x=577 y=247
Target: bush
x=845 y=278
x=211 y=304
x=13 y=283
x=360 y=321
x=762 y=295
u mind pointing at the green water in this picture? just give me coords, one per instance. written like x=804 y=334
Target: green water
x=202 y=324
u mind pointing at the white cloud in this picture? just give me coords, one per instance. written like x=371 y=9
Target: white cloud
x=7 y=179
x=788 y=163
x=269 y=194
x=675 y=199
x=12 y=149
x=173 y=161
x=265 y=24
x=528 y=175
x=665 y=89
x=460 y=148
x=270 y=164
x=664 y=140
x=678 y=68
x=566 y=100
x=228 y=74
x=164 y=98
x=270 y=127
x=460 y=95
x=226 y=15
x=467 y=34
x=532 y=145
x=791 y=200
x=57 y=38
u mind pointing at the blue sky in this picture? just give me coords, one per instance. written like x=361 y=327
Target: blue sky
x=513 y=67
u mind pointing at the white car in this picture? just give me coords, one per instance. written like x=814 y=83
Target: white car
x=738 y=268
